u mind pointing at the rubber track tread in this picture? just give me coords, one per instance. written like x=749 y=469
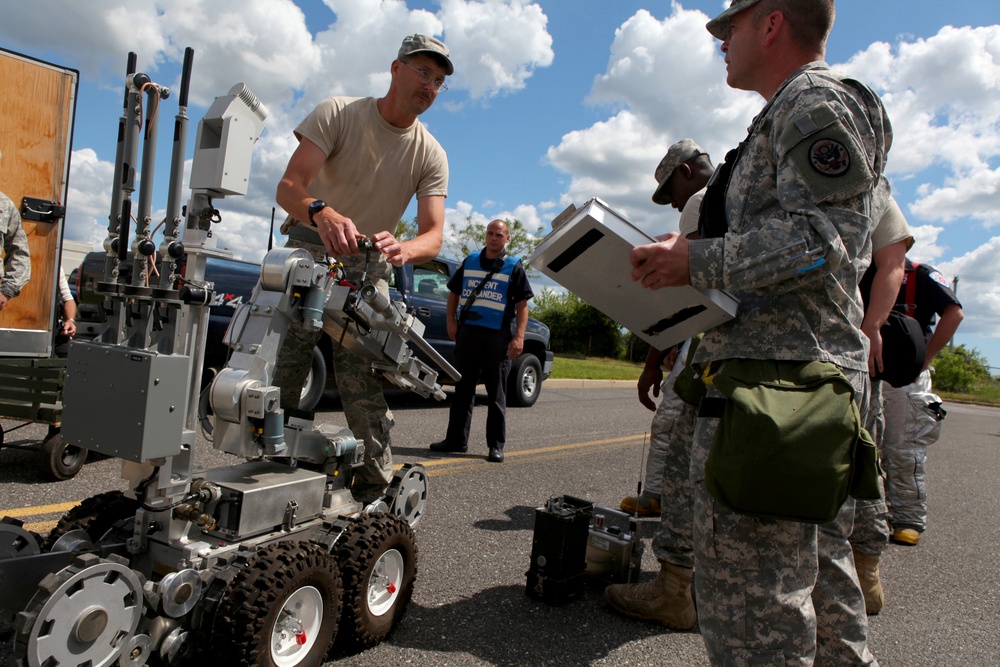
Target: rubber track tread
x=95 y=516
x=365 y=541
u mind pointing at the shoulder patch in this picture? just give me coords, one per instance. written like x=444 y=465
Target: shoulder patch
x=938 y=278
x=825 y=152
x=829 y=157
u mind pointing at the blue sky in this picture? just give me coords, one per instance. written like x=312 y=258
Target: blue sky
x=552 y=102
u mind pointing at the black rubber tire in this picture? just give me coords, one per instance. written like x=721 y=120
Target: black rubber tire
x=358 y=552
x=251 y=605
x=59 y=459
x=524 y=383
x=315 y=384
x=95 y=515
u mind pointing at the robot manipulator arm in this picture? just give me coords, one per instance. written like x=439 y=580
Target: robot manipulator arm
x=293 y=288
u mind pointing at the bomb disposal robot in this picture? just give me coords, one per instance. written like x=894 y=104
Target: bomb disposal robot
x=266 y=562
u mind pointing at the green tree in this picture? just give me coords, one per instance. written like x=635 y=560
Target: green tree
x=576 y=326
x=635 y=348
x=406 y=230
x=471 y=237
x=959 y=369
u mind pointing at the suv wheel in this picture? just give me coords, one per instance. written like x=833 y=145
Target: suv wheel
x=525 y=381
x=315 y=384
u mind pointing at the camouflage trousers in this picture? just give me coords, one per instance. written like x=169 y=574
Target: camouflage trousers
x=671 y=433
x=775 y=592
x=360 y=388
x=871 y=517
x=659 y=441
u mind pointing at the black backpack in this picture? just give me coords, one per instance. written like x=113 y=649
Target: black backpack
x=904 y=349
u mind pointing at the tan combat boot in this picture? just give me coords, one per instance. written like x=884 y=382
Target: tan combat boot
x=871 y=586
x=907 y=536
x=666 y=600
x=641 y=505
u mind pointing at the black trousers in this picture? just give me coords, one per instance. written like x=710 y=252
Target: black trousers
x=480 y=356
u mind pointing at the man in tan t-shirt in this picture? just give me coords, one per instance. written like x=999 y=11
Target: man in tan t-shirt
x=358 y=164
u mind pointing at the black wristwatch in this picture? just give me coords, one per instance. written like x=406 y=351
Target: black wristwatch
x=315 y=207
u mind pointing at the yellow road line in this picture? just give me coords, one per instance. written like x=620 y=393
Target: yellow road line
x=42 y=527
x=481 y=464
x=536 y=452
x=448 y=466
x=41 y=509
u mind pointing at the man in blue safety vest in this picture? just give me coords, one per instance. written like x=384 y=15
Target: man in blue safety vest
x=488 y=292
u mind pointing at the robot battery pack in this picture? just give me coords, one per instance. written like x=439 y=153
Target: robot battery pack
x=559 y=550
x=614 y=550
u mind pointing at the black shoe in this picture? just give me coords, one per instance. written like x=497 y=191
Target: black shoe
x=443 y=446
x=495 y=455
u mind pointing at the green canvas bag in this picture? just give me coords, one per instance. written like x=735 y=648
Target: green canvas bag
x=789 y=443
x=688 y=386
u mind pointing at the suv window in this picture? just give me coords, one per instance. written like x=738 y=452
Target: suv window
x=431 y=281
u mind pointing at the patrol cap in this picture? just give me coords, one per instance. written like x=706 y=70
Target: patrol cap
x=719 y=26
x=681 y=152
x=426 y=44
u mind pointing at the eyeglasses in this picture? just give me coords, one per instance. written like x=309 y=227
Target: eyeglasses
x=425 y=78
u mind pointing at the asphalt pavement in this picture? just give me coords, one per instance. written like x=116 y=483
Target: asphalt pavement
x=588 y=440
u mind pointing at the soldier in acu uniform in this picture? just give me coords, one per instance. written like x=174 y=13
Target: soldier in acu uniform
x=16 y=256
x=668 y=600
x=786 y=226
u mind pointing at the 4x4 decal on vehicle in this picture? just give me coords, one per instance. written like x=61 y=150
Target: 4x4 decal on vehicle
x=226 y=299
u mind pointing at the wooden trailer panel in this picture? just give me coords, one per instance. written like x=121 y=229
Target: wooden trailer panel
x=37 y=107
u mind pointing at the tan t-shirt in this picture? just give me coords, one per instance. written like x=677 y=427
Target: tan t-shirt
x=891 y=228
x=372 y=169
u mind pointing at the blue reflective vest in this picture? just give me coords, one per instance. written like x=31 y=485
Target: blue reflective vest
x=488 y=308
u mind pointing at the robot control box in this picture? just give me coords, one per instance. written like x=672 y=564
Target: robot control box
x=575 y=540
x=559 y=550
x=146 y=390
x=588 y=254
x=614 y=550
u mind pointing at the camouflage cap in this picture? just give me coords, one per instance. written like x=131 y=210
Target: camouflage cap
x=426 y=44
x=719 y=26
x=681 y=152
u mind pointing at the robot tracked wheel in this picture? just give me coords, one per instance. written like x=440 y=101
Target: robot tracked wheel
x=407 y=494
x=79 y=614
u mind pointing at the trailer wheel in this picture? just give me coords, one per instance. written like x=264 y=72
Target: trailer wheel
x=378 y=562
x=95 y=516
x=60 y=459
x=281 y=610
